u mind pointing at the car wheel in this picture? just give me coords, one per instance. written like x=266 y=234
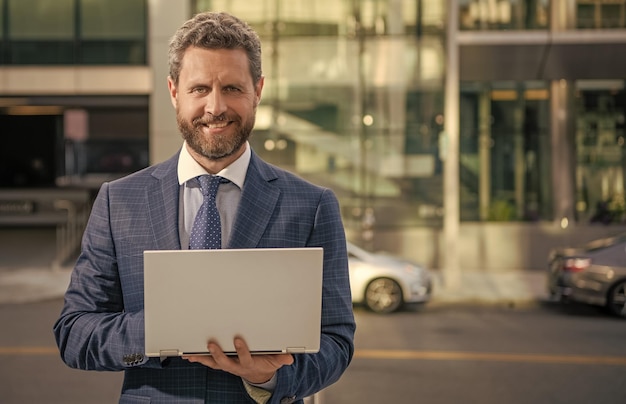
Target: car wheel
x=616 y=302
x=383 y=295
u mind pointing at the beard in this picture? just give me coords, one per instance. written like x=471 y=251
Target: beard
x=214 y=147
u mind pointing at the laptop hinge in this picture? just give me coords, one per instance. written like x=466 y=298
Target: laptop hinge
x=165 y=353
x=296 y=350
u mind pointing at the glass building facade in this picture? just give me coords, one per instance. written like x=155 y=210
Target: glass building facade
x=354 y=100
x=67 y=32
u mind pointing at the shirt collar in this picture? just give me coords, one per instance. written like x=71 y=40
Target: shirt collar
x=189 y=168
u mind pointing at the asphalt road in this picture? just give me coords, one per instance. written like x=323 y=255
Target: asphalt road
x=438 y=354
x=458 y=354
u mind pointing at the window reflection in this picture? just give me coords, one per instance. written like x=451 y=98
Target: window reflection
x=353 y=94
x=503 y=14
x=601 y=161
x=102 y=32
x=354 y=97
x=505 y=151
x=600 y=14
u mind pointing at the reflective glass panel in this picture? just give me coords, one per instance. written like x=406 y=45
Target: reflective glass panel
x=598 y=14
x=601 y=160
x=113 y=19
x=113 y=32
x=353 y=100
x=505 y=151
x=503 y=14
x=1 y=20
x=42 y=20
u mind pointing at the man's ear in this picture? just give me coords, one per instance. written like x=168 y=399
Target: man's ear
x=258 y=89
x=171 y=86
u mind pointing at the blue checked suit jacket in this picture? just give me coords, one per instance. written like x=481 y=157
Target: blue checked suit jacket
x=101 y=326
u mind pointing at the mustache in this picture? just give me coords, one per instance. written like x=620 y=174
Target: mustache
x=210 y=119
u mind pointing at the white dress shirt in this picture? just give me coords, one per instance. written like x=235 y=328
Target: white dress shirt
x=227 y=199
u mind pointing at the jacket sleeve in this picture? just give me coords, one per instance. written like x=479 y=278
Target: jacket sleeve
x=96 y=329
x=311 y=373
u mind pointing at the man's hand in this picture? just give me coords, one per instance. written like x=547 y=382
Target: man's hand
x=255 y=369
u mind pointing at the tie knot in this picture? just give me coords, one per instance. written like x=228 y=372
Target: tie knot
x=209 y=184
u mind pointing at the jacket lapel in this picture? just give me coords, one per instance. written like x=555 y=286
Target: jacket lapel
x=162 y=205
x=258 y=200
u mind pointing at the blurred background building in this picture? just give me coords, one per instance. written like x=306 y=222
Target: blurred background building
x=354 y=100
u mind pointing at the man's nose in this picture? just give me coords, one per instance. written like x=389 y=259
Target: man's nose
x=215 y=103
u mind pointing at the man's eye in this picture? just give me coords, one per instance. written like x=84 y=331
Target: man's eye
x=199 y=90
x=231 y=89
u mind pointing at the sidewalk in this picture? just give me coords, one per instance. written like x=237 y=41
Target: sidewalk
x=509 y=288
x=514 y=288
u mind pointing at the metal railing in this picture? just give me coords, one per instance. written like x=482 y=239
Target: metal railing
x=69 y=232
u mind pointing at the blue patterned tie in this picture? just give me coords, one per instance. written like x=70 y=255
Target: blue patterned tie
x=207 y=228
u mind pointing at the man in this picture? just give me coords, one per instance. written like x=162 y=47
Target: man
x=215 y=85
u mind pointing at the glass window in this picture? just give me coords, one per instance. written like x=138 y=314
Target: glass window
x=601 y=160
x=612 y=15
x=113 y=19
x=353 y=100
x=432 y=15
x=75 y=32
x=334 y=17
x=600 y=14
x=113 y=32
x=41 y=20
x=503 y=14
x=41 y=31
x=585 y=16
x=1 y=21
x=505 y=151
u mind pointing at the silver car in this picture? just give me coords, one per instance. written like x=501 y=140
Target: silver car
x=385 y=283
x=593 y=274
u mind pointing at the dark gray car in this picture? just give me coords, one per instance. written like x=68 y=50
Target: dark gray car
x=593 y=274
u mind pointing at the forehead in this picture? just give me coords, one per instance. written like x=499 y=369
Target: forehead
x=223 y=64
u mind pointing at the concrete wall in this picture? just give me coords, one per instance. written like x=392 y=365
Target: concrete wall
x=490 y=246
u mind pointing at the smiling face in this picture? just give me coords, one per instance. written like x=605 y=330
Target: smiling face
x=215 y=100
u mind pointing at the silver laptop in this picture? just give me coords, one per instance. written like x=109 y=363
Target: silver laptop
x=270 y=297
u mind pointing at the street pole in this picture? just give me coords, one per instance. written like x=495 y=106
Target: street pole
x=450 y=255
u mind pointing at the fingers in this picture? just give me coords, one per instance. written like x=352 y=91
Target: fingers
x=243 y=353
x=219 y=360
x=284 y=359
x=217 y=353
x=254 y=368
x=209 y=360
x=202 y=359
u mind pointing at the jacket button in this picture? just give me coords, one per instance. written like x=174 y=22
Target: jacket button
x=133 y=359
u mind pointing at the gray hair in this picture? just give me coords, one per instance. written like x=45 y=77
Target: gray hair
x=215 y=31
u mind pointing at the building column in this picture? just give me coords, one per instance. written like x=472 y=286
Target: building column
x=451 y=177
x=165 y=17
x=562 y=129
